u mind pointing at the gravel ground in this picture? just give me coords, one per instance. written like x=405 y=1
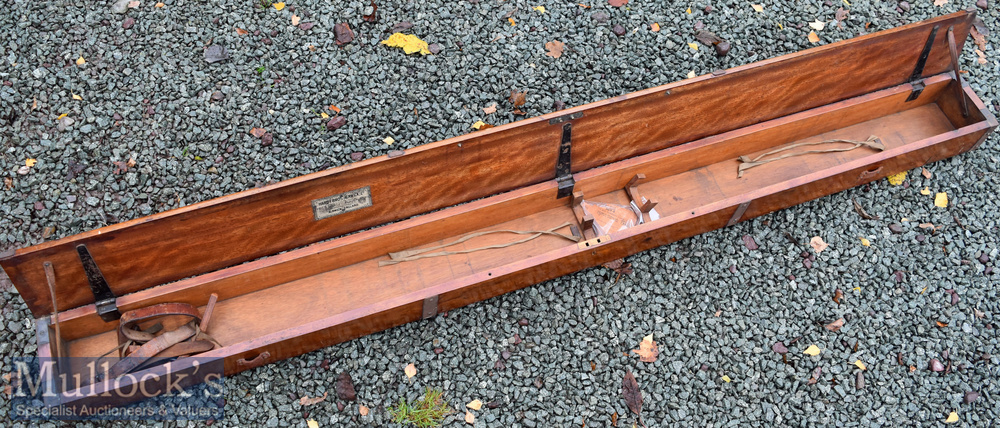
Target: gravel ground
x=715 y=307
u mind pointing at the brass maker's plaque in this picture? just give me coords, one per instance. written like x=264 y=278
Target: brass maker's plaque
x=342 y=203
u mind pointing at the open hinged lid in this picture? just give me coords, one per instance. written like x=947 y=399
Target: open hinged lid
x=215 y=234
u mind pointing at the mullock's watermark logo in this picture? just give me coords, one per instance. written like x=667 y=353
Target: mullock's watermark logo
x=79 y=389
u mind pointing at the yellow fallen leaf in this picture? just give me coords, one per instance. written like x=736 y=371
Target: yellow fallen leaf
x=812 y=350
x=540 y=9
x=388 y=140
x=693 y=45
x=726 y=378
x=897 y=179
x=922 y=291
x=363 y=410
x=295 y=20
x=77 y=97
x=469 y=417
x=312 y=424
x=410 y=370
x=409 y=43
x=847 y=2
x=689 y=11
x=511 y=21
x=475 y=404
x=324 y=115
x=30 y=162
x=691 y=74
x=279 y=5
x=478 y=124
x=655 y=27
x=941 y=200
x=159 y=5
x=926 y=191
x=860 y=365
x=62 y=116
x=757 y=7
x=813 y=38
x=953 y=417
x=866 y=242
x=80 y=60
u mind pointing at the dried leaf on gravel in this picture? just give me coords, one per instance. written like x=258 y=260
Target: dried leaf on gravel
x=708 y=38
x=836 y=325
x=924 y=172
x=410 y=370
x=344 y=388
x=279 y=5
x=388 y=140
x=841 y=16
x=295 y=21
x=648 y=351
x=940 y=2
x=77 y=97
x=941 y=200
x=757 y=7
x=866 y=242
x=80 y=61
x=554 y=48
x=837 y=295
x=897 y=179
x=618 y=3
x=691 y=74
x=258 y=132
x=926 y=191
x=953 y=417
x=632 y=394
x=363 y=410
x=475 y=404
x=860 y=365
x=374 y=15
x=409 y=43
x=693 y=45
x=861 y=211
x=29 y=162
x=312 y=424
x=813 y=38
x=517 y=98
x=818 y=244
x=343 y=35
x=159 y=5
x=469 y=417
x=243 y=32
x=654 y=27
x=540 y=9
x=491 y=109
x=817 y=25
x=306 y=401
x=478 y=124
x=812 y=350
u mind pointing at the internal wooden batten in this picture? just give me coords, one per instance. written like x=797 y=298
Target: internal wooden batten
x=302 y=293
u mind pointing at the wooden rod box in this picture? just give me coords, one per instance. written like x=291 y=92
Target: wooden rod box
x=296 y=264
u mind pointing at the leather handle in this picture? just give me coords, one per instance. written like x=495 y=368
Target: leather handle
x=869 y=175
x=259 y=360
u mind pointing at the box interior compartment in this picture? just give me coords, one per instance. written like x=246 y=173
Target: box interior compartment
x=313 y=288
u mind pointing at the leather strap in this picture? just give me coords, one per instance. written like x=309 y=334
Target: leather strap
x=130 y=320
x=150 y=349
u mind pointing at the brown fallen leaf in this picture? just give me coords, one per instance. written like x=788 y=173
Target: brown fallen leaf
x=654 y=27
x=633 y=396
x=614 y=419
x=707 y=37
x=648 y=351
x=618 y=3
x=818 y=244
x=924 y=172
x=374 y=15
x=836 y=325
x=554 y=48
x=491 y=109
x=813 y=38
x=837 y=294
x=517 y=98
x=841 y=16
x=941 y=324
x=258 y=132
x=8 y=183
x=242 y=32
x=410 y=370
x=306 y=401
x=342 y=34
x=861 y=211
x=363 y=410
x=47 y=232
x=469 y=417
x=344 y=388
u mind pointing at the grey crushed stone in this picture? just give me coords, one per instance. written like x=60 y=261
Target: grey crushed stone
x=148 y=95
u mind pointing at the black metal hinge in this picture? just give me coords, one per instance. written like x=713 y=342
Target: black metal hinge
x=104 y=298
x=564 y=168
